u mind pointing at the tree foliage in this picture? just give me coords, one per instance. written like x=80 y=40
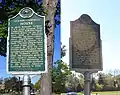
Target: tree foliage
x=63 y=51
x=12 y=84
x=1 y=80
x=37 y=85
x=60 y=73
x=72 y=82
x=75 y=82
x=8 y=9
x=101 y=78
x=59 y=76
x=93 y=84
x=107 y=82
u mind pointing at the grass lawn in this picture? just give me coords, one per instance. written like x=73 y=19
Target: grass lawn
x=100 y=93
x=108 y=93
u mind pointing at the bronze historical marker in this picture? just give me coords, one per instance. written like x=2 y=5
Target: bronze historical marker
x=85 y=45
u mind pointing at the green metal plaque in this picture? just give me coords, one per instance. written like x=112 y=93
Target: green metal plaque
x=26 y=46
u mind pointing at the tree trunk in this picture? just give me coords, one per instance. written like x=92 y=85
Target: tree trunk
x=46 y=80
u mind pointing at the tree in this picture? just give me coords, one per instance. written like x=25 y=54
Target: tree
x=73 y=82
x=37 y=85
x=1 y=80
x=7 y=84
x=59 y=76
x=107 y=81
x=101 y=78
x=81 y=82
x=63 y=51
x=12 y=84
x=46 y=80
x=118 y=81
x=59 y=73
x=10 y=8
x=99 y=87
x=93 y=84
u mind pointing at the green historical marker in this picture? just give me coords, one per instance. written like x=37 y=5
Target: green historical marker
x=26 y=46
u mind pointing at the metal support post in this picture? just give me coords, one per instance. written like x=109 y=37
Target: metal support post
x=87 y=83
x=26 y=85
x=19 y=85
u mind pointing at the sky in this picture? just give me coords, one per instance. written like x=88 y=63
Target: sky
x=104 y=12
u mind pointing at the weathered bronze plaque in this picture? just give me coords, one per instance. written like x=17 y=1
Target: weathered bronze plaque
x=85 y=45
x=26 y=51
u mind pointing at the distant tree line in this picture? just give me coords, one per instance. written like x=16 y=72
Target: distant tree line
x=11 y=84
x=106 y=82
x=63 y=80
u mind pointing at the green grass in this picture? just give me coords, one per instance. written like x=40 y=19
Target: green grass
x=100 y=93
x=107 y=93
x=65 y=94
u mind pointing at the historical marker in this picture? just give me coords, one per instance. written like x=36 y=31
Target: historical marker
x=85 y=45
x=26 y=46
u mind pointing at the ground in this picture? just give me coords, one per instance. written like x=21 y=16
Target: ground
x=108 y=93
x=94 y=93
x=99 y=93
